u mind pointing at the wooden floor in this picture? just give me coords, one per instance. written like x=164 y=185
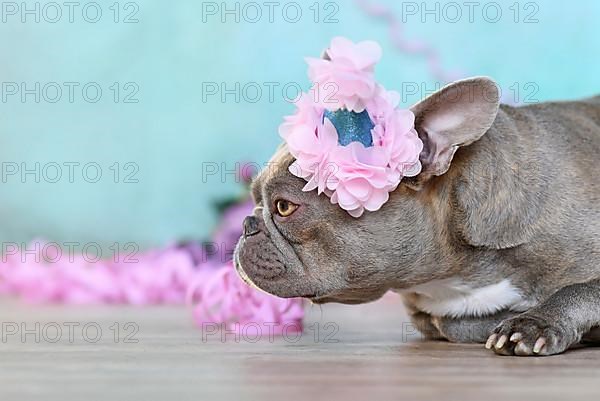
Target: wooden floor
x=367 y=358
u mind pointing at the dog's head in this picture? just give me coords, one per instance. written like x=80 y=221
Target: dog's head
x=299 y=244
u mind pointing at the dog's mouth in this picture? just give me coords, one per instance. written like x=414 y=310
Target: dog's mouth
x=242 y=274
x=313 y=297
x=347 y=298
x=317 y=300
x=326 y=299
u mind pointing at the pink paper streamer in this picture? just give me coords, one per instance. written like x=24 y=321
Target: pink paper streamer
x=158 y=277
x=176 y=274
x=223 y=297
x=164 y=276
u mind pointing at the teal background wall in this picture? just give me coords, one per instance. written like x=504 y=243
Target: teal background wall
x=171 y=130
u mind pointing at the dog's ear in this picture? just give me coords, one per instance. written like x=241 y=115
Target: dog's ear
x=456 y=115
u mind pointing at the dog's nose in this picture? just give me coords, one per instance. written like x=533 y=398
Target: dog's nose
x=250 y=226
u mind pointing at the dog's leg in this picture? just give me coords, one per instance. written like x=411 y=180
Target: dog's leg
x=459 y=330
x=553 y=326
x=469 y=329
x=421 y=320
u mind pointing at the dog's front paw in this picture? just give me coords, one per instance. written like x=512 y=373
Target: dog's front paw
x=530 y=335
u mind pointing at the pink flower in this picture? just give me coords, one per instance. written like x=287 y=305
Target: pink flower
x=365 y=176
x=161 y=276
x=355 y=177
x=345 y=78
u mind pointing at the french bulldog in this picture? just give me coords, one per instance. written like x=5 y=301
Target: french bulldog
x=496 y=241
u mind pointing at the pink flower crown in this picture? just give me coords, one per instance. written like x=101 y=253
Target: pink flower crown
x=353 y=145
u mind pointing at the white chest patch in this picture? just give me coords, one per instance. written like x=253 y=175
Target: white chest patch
x=453 y=298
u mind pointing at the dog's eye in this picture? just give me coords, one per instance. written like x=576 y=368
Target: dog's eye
x=285 y=208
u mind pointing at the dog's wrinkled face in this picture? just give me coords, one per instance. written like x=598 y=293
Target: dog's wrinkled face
x=298 y=244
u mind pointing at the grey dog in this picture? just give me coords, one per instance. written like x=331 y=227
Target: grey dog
x=496 y=241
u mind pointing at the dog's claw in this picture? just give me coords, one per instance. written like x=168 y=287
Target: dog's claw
x=530 y=335
x=501 y=341
x=516 y=337
x=522 y=349
x=539 y=344
x=491 y=341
